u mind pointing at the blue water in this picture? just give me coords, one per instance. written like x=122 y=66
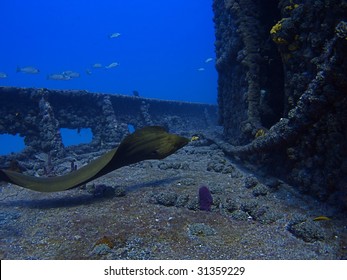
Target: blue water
x=161 y=47
x=72 y=137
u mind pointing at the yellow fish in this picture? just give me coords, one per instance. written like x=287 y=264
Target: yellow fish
x=321 y=218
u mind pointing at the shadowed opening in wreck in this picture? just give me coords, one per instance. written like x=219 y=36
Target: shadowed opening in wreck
x=272 y=94
x=11 y=144
x=77 y=136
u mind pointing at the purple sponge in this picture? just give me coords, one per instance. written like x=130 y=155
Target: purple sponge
x=205 y=199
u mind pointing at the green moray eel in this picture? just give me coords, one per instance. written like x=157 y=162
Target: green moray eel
x=151 y=142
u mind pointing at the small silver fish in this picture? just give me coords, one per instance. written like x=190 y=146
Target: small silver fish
x=201 y=69
x=114 y=35
x=3 y=75
x=58 y=77
x=112 y=65
x=208 y=60
x=28 y=70
x=88 y=72
x=71 y=74
x=97 y=65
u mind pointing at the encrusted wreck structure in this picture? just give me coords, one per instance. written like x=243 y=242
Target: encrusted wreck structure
x=282 y=89
x=39 y=114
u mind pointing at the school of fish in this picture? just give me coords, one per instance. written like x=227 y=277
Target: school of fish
x=70 y=75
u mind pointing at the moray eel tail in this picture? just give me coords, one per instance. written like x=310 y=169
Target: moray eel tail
x=151 y=142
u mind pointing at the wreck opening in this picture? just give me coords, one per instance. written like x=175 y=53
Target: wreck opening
x=71 y=137
x=11 y=143
x=272 y=94
x=131 y=128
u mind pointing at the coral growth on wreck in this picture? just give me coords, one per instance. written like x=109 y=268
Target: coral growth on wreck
x=282 y=66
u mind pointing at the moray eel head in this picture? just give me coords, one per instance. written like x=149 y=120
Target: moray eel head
x=151 y=142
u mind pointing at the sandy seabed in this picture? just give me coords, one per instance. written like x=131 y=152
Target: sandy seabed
x=150 y=210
